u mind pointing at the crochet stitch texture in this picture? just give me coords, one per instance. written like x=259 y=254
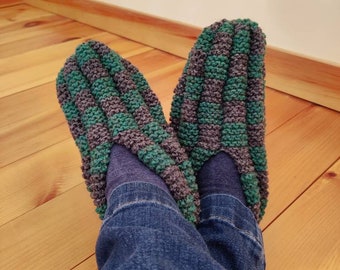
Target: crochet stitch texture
x=107 y=101
x=219 y=104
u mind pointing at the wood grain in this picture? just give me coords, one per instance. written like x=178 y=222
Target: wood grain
x=16 y=13
x=38 y=178
x=309 y=79
x=88 y=264
x=43 y=36
x=38 y=67
x=152 y=31
x=298 y=153
x=57 y=235
x=280 y=108
x=7 y=3
x=29 y=103
x=307 y=235
x=41 y=131
x=297 y=75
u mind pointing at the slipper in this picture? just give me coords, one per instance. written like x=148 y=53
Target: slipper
x=105 y=91
x=219 y=104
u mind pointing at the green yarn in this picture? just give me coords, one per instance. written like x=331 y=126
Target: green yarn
x=250 y=188
x=225 y=84
x=193 y=89
x=241 y=42
x=155 y=133
x=70 y=110
x=100 y=157
x=132 y=100
x=234 y=89
x=258 y=155
x=216 y=67
x=84 y=53
x=110 y=61
x=83 y=146
x=209 y=113
x=255 y=112
x=157 y=114
x=121 y=122
x=147 y=156
x=103 y=88
x=188 y=134
x=92 y=116
x=204 y=40
x=234 y=135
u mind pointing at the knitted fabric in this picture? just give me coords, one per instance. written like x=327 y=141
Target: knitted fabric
x=219 y=104
x=107 y=101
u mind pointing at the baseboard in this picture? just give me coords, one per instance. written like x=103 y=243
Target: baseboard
x=296 y=75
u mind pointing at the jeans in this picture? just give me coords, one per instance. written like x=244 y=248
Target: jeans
x=144 y=229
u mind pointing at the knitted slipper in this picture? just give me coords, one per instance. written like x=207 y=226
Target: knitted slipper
x=140 y=102
x=104 y=104
x=218 y=104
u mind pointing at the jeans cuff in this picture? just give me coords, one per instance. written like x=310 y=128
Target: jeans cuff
x=231 y=211
x=136 y=193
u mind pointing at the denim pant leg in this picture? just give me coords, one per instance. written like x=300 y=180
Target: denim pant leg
x=231 y=233
x=144 y=229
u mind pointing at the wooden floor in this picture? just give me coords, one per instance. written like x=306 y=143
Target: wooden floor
x=47 y=219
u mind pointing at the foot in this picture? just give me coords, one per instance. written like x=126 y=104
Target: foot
x=219 y=104
x=106 y=97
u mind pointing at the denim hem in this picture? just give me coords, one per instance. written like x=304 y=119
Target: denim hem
x=232 y=212
x=138 y=193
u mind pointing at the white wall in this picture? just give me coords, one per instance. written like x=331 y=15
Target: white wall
x=307 y=27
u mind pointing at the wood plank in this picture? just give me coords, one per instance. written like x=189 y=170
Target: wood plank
x=154 y=60
x=38 y=178
x=38 y=38
x=48 y=54
x=280 y=108
x=153 y=31
x=57 y=235
x=298 y=152
x=21 y=27
x=88 y=264
x=306 y=78
x=40 y=132
x=32 y=102
x=307 y=234
x=16 y=13
x=7 y=3
x=41 y=66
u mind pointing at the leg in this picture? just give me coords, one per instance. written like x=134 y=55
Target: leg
x=228 y=227
x=107 y=101
x=143 y=227
x=231 y=233
x=218 y=114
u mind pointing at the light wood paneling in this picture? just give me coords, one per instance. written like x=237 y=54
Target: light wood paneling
x=309 y=79
x=306 y=78
x=310 y=226
x=45 y=36
x=6 y=3
x=298 y=153
x=57 y=235
x=88 y=264
x=38 y=178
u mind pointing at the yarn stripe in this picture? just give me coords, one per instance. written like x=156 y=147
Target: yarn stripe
x=122 y=120
x=255 y=117
x=216 y=106
x=133 y=97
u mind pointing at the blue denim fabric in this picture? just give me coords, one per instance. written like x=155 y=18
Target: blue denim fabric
x=144 y=229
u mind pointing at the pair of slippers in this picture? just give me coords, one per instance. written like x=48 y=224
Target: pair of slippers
x=218 y=106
